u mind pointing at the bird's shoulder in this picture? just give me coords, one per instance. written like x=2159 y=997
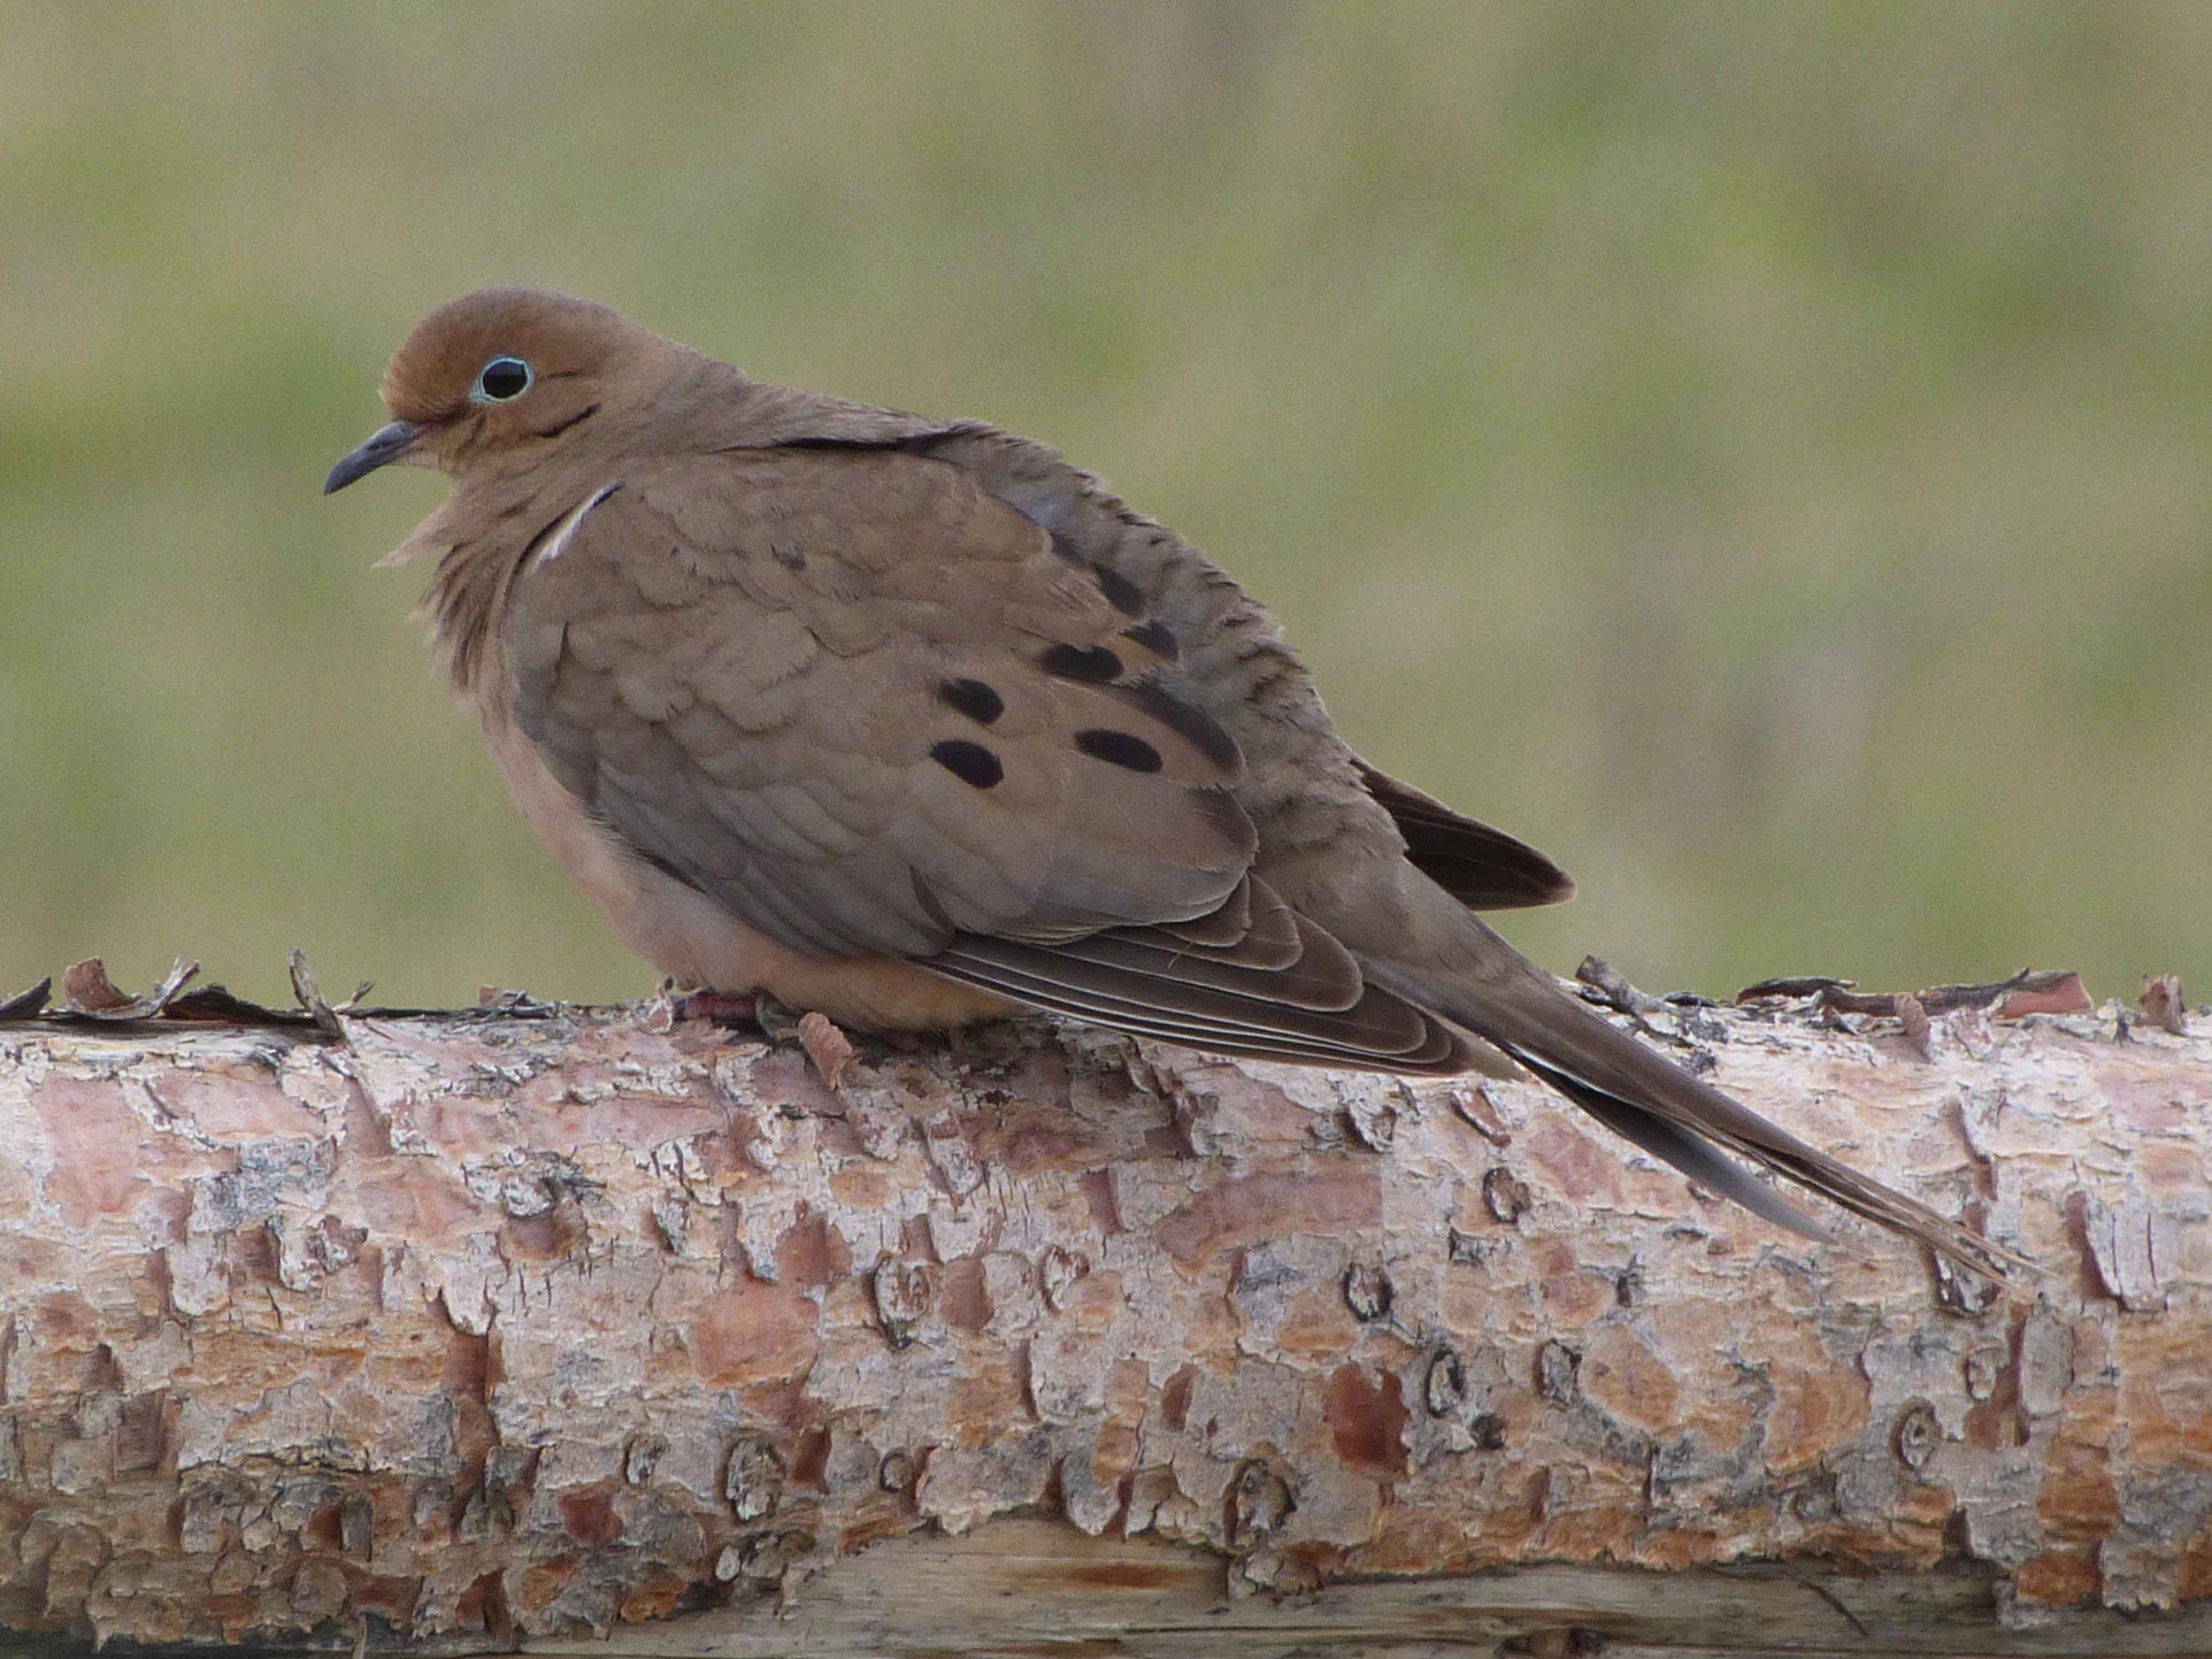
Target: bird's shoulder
x=853 y=540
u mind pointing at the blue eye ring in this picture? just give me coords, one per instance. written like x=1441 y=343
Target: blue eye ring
x=502 y=380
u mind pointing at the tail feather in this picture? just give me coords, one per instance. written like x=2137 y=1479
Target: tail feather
x=1647 y=1100
x=1669 y=1141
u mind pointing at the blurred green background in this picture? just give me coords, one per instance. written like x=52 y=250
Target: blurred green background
x=1757 y=453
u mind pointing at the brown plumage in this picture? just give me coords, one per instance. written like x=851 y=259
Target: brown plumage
x=910 y=721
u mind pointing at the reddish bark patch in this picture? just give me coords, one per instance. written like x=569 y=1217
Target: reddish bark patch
x=1032 y=1147
x=1574 y=1163
x=966 y=1305
x=1629 y=1380
x=544 y=1581
x=1817 y=1406
x=588 y=1515
x=1368 y=1421
x=639 y=1123
x=468 y=1365
x=1997 y=1424
x=395 y=1598
x=144 y=1432
x=753 y=1332
x=1573 y=1295
x=401 y=1196
x=915 y=1243
x=1678 y=1547
x=1115 y=1575
x=994 y=1393
x=656 y=1598
x=786 y=1074
x=551 y=1235
x=319 y=1531
x=1239 y=1213
x=2196 y=1573
x=2149 y=1107
x=784 y=1400
x=1128 y=1391
x=233 y=1106
x=1115 y=1455
x=812 y=1252
x=96 y=1142
x=483 y=1606
x=472 y=1369
x=1097 y=1188
x=873 y=1530
x=66 y=1323
x=1120 y=1575
x=2057 y=1577
x=810 y=1460
x=1175 y=1399
x=2078 y=1499
x=2063 y=995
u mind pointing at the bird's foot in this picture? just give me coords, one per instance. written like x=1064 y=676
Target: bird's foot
x=777 y=1022
x=724 y=1008
x=828 y=1048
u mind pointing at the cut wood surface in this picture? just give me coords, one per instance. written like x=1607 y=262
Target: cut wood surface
x=536 y=1325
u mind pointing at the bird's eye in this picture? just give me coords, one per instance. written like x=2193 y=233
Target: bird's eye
x=504 y=380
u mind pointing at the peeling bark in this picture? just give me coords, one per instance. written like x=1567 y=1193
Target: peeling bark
x=463 y=1331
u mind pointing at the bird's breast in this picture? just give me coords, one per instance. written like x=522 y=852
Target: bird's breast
x=686 y=935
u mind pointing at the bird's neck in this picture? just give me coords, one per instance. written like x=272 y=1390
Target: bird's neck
x=482 y=536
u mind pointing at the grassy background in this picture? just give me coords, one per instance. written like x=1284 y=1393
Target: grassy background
x=1757 y=453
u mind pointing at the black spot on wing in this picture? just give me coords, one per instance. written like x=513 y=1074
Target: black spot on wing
x=1065 y=547
x=1156 y=637
x=972 y=698
x=1121 y=593
x=1118 y=749
x=972 y=763
x=1093 y=665
x=1188 y=722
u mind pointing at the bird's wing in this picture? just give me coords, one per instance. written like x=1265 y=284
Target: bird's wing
x=1484 y=869
x=874 y=710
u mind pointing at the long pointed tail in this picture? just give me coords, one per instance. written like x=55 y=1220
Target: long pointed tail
x=1647 y=1100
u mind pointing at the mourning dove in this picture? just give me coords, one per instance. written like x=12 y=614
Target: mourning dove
x=909 y=722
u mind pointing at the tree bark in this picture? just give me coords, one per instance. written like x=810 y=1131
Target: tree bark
x=525 y=1325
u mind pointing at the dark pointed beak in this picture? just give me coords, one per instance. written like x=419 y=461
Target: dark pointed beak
x=387 y=444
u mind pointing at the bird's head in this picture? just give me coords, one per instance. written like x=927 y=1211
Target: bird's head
x=504 y=372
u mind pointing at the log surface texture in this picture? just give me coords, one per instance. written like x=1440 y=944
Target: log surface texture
x=466 y=1331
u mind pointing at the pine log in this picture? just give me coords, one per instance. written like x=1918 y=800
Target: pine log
x=581 y=1330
